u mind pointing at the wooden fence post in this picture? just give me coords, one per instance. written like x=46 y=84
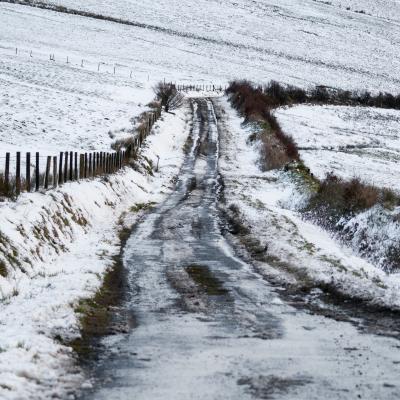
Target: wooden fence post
x=66 y=167
x=97 y=163
x=28 y=172
x=55 y=171
x=94 y=164
x=46 y=177
x=71 y=165
x=85 y=170
x=81 y=165
x=76 y=166
x=60 y=169
x=90 y=165
x=18 y=174
x=37 y=172
x=7 y=172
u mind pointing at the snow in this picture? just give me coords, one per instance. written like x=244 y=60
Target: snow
x=307 y=254
x=55 y=106
x=297 y=42
x=348 y=141
x=65 y=241
x=243 y=344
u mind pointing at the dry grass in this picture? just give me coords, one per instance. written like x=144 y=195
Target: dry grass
x=273 y=153
x=7 y=190
x=278 y=148
x=336 y=196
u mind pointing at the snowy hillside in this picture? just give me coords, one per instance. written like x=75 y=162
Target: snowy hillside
x=295 y=41
x=348 y=141
x=47 y=104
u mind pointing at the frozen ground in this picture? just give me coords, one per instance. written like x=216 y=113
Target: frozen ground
x=348 y=141
x=57 y=248
x=296 y=250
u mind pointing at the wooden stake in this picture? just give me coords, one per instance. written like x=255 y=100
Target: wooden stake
x=55 y=171
x=28 y=172
x=60 y=169
x=18 y=174
x=71 y=165
x=46 y=177
x=37 y=172
x=66 y=167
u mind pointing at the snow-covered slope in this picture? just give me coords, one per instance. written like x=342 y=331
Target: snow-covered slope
x=348 y=141
x=289 y=247
x=57 y=248
x=298 y=41
x=54 y=106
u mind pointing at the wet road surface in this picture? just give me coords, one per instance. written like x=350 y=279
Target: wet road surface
x=207 y=326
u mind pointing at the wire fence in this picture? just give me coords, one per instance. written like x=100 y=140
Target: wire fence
x=76 y=61
x=115 y=68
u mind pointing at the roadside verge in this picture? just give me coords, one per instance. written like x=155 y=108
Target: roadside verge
x=58 y=247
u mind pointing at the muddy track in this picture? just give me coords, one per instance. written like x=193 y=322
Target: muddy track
x=210 y=327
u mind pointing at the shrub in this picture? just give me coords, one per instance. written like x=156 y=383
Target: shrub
x=255 y=103
x=275 y=94
x=168 y=96
x=342 y=197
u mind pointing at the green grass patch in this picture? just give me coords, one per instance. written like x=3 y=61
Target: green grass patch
x=203 y=277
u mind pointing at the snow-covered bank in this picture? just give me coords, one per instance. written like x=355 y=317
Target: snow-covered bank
x=55 y=249
x=288 y=247
x=351 y=142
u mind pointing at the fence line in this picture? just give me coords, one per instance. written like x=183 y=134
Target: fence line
x=199 y=88
x=97 y=66
x=70 y=166
x=81 y=62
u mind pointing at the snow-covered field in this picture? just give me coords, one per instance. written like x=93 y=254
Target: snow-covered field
x=347 y=141
x=57 y=248
x=54 y=106
x=294 y=41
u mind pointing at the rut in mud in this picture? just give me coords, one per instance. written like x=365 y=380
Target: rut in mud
x=209 y=327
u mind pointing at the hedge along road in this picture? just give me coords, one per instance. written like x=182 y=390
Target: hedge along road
x=207 y=326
